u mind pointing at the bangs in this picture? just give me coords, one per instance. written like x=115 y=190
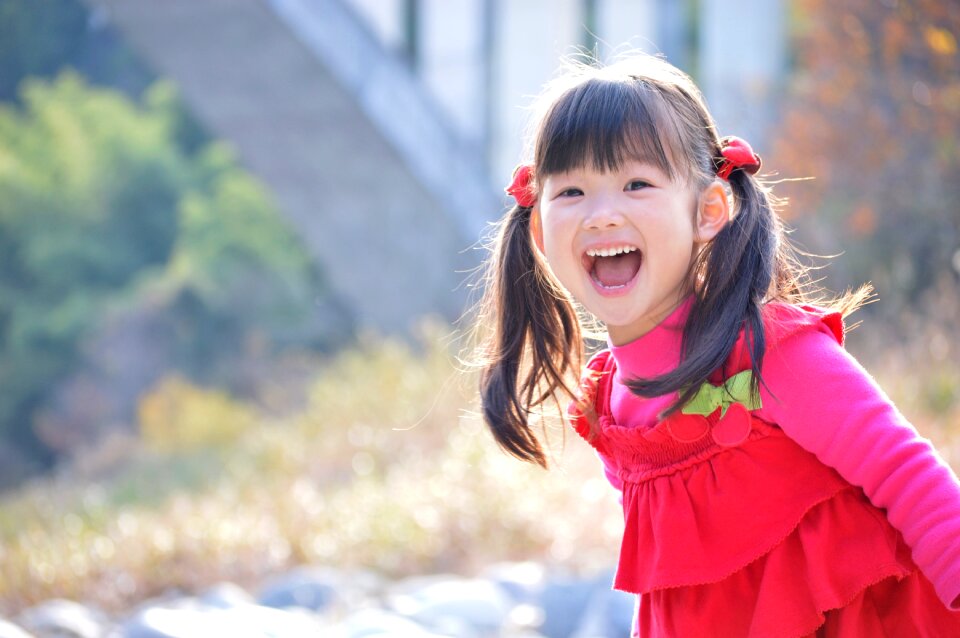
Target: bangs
x=602 y=124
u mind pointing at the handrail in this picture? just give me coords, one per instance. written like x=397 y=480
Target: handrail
x=391 y=95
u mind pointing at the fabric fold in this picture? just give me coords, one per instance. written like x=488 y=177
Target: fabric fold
x=746 y=527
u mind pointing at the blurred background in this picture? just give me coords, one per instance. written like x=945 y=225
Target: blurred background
x=236 y=237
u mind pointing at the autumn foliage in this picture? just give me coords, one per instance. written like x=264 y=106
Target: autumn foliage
x=873 y=114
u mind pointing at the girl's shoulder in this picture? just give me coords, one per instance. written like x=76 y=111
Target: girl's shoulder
x=782 y=320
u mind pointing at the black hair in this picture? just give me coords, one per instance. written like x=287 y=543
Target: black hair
x=639 y=109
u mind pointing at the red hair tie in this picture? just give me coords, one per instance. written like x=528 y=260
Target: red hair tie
x=520 y=187
x=736 y=154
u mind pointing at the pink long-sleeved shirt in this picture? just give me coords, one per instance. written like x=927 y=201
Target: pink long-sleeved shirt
x=826 y=402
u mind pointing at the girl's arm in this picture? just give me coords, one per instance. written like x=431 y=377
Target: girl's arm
x=831 y=406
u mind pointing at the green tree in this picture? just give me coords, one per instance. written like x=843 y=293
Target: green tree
x=874 y=115
x=90 y=187
x=39 y=37
x=100 y=206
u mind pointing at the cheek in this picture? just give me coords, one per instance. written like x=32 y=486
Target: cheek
x=556 y=261
x=554 y=246
x=553 y=239
x=558 y=254
x=558 y=224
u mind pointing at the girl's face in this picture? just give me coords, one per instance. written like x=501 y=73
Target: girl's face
x=621 y=242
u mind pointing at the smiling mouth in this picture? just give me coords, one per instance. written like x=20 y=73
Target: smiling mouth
x=613 y=268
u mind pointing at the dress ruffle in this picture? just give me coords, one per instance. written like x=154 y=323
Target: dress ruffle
x=840 y=549
x=756 y=538
x=711 y=517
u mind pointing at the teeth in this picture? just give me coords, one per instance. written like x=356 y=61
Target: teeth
x=610 y=252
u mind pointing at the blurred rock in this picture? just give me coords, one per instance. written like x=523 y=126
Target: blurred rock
x=524 y=581
x=9 y=630
x=314 y=588
x=510 y=600
x=564 y=602
x=247 y=621
x=562 y=606
x=609 y=614
x=379 y=623
x=226 y=596
x=454 y=606
x=60 y=618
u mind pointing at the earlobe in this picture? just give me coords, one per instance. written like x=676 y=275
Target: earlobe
x=536 y=228
x=713 y=212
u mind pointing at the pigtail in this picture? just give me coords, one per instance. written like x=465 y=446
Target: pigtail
x=740 y=265
x=640 y=109
x=535 y=343
x=732 y=277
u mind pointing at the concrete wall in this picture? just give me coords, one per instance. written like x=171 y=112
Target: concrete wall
x=743 y=58
x=737 y=51
x=391 y=167
x=360 y=165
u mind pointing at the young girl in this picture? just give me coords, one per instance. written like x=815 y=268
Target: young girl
x=769 y=487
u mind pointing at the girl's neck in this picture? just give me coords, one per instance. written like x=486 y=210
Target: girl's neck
x=658 y=350
x=617 y=337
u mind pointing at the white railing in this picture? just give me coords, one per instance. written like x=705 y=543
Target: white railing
x=393 y=98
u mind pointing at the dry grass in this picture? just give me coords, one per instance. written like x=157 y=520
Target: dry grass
x=386 y=468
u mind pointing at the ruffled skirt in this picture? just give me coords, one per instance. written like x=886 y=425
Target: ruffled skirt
x=779 y=554
x=849 y=588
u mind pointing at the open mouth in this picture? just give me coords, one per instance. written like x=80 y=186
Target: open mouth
x=614 y=267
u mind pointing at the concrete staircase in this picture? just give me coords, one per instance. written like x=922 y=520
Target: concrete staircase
x=362 y=164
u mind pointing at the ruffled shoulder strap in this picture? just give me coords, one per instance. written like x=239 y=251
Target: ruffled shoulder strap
x=780 y=321
x=593 y=398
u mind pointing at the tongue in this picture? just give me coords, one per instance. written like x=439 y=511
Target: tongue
x=616 y=271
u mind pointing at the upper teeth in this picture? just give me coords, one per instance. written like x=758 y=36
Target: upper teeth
x=610 y=252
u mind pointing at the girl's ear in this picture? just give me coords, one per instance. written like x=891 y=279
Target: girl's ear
x=536 y=228
x=713 y=212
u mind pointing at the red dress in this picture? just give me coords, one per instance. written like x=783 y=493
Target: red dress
x=733 y=529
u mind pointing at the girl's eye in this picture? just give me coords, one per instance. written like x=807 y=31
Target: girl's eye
x=637 y=184
x=570 y=192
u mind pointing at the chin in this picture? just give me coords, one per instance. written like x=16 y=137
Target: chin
x=614 y=321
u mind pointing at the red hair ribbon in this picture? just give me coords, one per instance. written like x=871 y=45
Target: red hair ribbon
x=520 y=187
x=736 y=154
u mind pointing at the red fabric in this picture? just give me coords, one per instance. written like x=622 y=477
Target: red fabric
x=822 y=565
x=822 y=399
x=736 y=153
x=759 y=538
x=595 y=382
x=520 y=187
x=713 y=516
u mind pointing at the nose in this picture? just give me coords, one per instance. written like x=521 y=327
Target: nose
x=603 y=215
